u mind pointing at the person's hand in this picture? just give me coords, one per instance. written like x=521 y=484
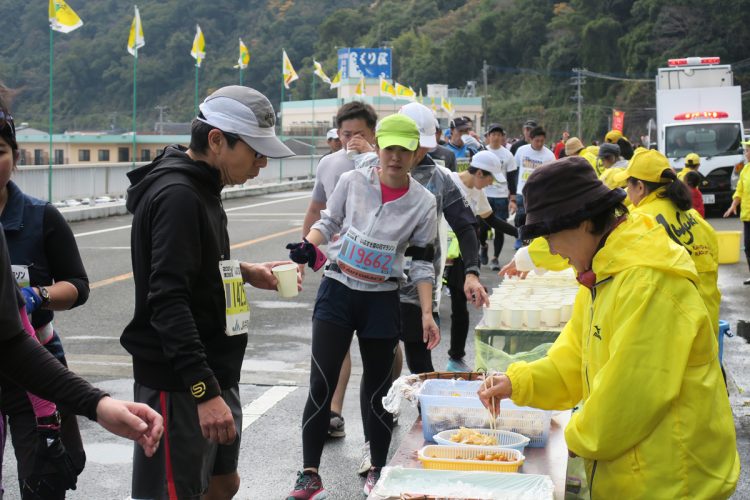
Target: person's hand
x=732 y=210
x=475 y=291
x=359 y=144
x=32 y=299
x=306 y=253
x=512 y=207
x=135 y=421
x=261 y=276
x=217 y=423
x=494 y=389
x=430 y=331
x=53 y=467
x=510 y=269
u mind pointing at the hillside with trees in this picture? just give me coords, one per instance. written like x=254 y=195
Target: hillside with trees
x=530 y=47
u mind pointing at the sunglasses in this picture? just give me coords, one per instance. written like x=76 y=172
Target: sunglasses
x=258 y=156
x=6 y=118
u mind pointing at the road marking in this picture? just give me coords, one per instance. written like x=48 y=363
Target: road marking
x=126 y=276
x=253 y=411
x=89 y=337
x=119 y=228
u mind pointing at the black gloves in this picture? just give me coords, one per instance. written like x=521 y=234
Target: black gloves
x=306 y=253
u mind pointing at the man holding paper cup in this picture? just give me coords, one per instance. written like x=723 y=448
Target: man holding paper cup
x=189 y=329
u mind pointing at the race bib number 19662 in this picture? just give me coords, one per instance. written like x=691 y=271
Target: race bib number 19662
x=237 y=308
x=366 y=259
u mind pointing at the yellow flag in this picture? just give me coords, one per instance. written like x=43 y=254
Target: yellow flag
x=62 y=18
x=386 y=88
x=288 y=70
x=447 y=106
x=199 y=46
x=244 y=58
x=404 y=91
x=360 y=89
x=319 y=71
x=336 y=81
x=136 y=40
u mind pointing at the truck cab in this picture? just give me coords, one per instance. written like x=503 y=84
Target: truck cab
x=699 y=110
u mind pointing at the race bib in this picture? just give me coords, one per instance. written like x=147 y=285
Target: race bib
x=366 y=259
x=237 y=308
x=21 y=274
x=462 y=164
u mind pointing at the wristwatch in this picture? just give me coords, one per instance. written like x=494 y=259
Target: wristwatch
x=44 y=294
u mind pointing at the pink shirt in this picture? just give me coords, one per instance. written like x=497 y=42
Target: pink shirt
x=390 y=194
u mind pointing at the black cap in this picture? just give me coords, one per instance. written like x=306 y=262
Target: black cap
x=460 y=122
x=529 y=124
x=495 y=127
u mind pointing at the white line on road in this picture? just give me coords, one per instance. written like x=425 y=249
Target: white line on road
x=89 y=337
x=253 y=411
x=108 y=230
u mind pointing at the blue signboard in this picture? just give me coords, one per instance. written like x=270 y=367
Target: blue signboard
x=370 y=63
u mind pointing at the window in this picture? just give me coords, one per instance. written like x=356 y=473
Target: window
x=104 y=155
x=145 y=155
x=38 y=157
x=59 y=157
x=123 y=154
x=84 y=155
x=706 y=139
x=22 y=157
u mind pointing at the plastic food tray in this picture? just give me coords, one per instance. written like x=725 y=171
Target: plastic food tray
x=450 y=404
x=436 y=456
x=505 y=439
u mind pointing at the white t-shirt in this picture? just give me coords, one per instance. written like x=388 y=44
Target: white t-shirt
x=476 y=197
x=500 y=189
x=527 y=160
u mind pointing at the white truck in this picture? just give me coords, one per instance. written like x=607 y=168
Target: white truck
x=699 y=110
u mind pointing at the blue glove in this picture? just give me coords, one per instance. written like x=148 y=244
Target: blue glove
x=33 y=301
x=306 y=253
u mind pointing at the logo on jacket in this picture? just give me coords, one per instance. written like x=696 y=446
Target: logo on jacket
x=681 y=230
x=597 y=332
x=198 y=390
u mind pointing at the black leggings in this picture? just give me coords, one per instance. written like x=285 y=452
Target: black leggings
x=330 y=343
x=746 y=228
x=459 y=309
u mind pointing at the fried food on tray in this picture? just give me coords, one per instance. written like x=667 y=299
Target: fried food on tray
x=470 y=436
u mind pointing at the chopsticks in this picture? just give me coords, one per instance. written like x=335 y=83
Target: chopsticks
x=492 y=406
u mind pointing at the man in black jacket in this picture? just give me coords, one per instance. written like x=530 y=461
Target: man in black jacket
x=189 y=329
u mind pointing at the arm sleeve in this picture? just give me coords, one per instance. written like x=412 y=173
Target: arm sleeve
x=332 y=218
x=62 y=254
x=554 y=382
x=318 y=192
x=501 y=226
x=461 y=219
x=652 y=335
x=176 y=244
x=32 y=367
x=512 y=180
x=10 y=301
x=423 y=236
x=542 y=257
x=740 y=186
x=365 y=160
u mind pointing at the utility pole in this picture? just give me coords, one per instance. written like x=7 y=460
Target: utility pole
x=485 y=96
x=578 y=81
x=161 y=110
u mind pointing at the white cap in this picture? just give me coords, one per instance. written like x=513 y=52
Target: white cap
x=332 y=134
x=487 y=161
x=247 y=113
x=470 y=141
x=425 y=120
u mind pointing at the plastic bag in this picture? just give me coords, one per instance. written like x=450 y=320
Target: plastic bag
x=489 y=358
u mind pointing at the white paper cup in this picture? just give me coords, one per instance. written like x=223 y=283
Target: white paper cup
x=493 y=317
x=533 y=317
x=551 y=315
x=565 y=312
x=287 y=276
x=516 y=318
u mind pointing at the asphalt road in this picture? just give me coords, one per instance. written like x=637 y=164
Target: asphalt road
x=276 y=368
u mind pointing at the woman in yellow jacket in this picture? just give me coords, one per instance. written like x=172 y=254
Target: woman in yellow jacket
x=639 y=350
x=653 y=189
x=742 y=197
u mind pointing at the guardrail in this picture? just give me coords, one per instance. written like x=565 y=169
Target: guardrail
x=110 y=179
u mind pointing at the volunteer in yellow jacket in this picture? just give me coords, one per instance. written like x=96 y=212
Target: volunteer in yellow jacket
x=639 y=350
x=741 y=197
x=574 y=147
x=692 y=163
x=653 y=189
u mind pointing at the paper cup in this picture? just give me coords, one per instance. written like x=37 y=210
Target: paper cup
x=287 y=276
x=565 y=312
x=551 y=315
x=493 y=317
x=533 y=317
x=516 y=318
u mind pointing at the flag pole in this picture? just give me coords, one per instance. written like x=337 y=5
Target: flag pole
x=135 y=70
x=281 y=120
x=240 y=75
x=51 y=72
x=195 y=100
x=314 y=128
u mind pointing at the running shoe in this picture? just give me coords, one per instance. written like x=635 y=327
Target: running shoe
x=336 y=426
x=372 y=478
x=309 y=486
x=483 y=255
x=457 y=365
x=746 y=282
x=495 y=264
x=364 y=463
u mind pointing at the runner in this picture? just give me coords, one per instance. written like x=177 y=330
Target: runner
x=48 y=267
x=383 y=215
